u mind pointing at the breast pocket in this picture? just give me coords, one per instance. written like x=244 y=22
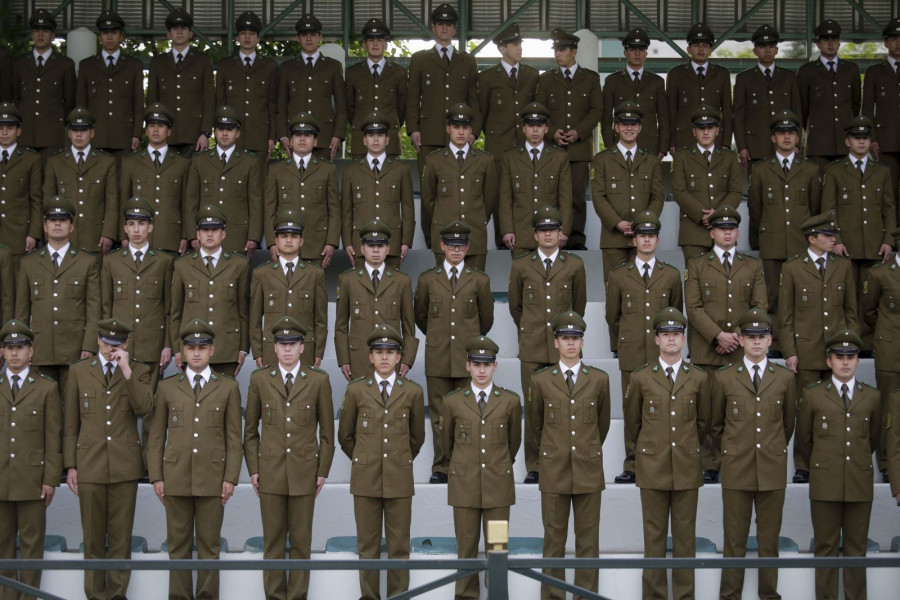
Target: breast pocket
x=364 y=424
x=863 y=424
x=75 y=289
x=153 y=289
x=463 y=433
x=38 y=291
x=359 y=310
x=176 y=417
x=360 y=194
x=688 y=410
x=403 y=421
x=652 y=408
x=590 y=411
x=500 y=429
x=87 y=403
x=824 y=427
x=736 y=411
x=215 y=416
x=272 y=303
x=776 y=410
x=191 y=291
x=563 y=294
x=34 y=419
x=270 y=413
x=630 y=304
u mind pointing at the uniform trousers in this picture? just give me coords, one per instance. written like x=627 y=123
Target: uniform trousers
x=804 y=378
x=737 y=508
x=107 y=518
x=710 y=455
x=28 y=518
x=830 y=521
x=580 y=171
x=183 y=515
x=613 y=257
x=391 y=261
x=59 y=373
x=630 y=440
x=438 y=387
x=325 y=153
x=228 y=368
x=495 y=214
x=887 y=382
x=555 y=515
x=148 y=418
x=532 y=418
x=286 y=517
x=472 y=260
x=892 y=161
x=860 y=269
x=395 y=514
x=468 y=523
x=689 y=251
x=772 y=276
x=657 y=506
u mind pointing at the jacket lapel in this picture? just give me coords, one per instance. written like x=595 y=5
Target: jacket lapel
x=26 y=387
x=277 y=383
x=375 y=390
x=67 y=262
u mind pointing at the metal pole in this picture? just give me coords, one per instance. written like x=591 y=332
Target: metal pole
x=5 y=18
x=229 y=24
x=347 y=24
x=579 y=15
x=463 y=29
x=810 y=7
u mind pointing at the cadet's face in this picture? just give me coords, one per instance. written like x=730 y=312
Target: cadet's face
x=443 y=32
x=766 y=53
x=699 y=52
x=569 y=346
x=843 y=366
x=635 y=57
x=481 y=372
x=859 y=146
x=646 y=243
x=547 y=239
x=9 y=134
x=58 y=230
x=107 y=349
x=138 y=231
x=288 y=353
x=670 y=342
x=385 y=360
x=110 y=39
x=248 y=40
x=80 y=138
x=725 y=237
x=374 y=254
x=302 y=143
x=535 y=132
x=511 y=51
x=42 y=38
x=454 y=253
x=628 y=132
x=289 y=244
x=893 y=46
x=823 y=242
x=756 y=346
x=786 y=141
x=459 y=134
x=197 y=357
x=706 y=134
x=158 y=134
x=565 y=57
x=180 y=36
x=17 y=357
x=829 y=47
x=375 y=143
x=375 y=48
x=210 y=238
x=309 y=41
x=226 y=137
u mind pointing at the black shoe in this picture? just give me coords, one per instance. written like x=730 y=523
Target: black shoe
x=438 y=478
x=774 y=354
x=884 y=477
x=801 y=476
x=532 y=477
x=710 y=476
x=625 y=477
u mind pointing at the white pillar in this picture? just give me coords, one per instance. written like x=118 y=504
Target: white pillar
x=81 y=43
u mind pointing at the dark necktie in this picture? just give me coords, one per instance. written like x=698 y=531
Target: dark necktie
x=482 y=403
x=859 y=166
x=197 y=386
x=896 y=68
x=460 y=158
x=290 y=270
x=821 y=262
x=15 y=386
x=701 y=74
x=301 y=166
x=568 y=75
x=512 y=76
x=785 y=166
x=768 y=75
x=224 y=159
x=375 y=168
x=453 y=278
x=646 y=275
x=845 y=396
x=570 y=383
x=726 y=262
x=375 y=280
x=55 y=257
x=375 y=72
x=40 y=64
x=247 y=62
x=288 y=383
x=5 y=158
x=209 y=264
x=156 y=159
x=628 y=162
x=109 y=373
x=637 y=78
x=80 y=160
x=179 y=61
x=756 y=377
x=137 y=259
x=534 y=158
x=831 y=70
x=110 y=63
x=670 y=375
x=309 y=63
x=384 y=392
x=547 y=265
x=445 y=57
x=707 y=154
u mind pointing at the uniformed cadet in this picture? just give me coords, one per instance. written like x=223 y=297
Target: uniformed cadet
x=481 y=432
x=307 y=184
x=45 y=82
x=194 y=457
x=646 y=89
x=881 y=89
x=574 y=98
x=635 y=293
x=248 y=81
x=892 y=443
x=21 y=193
x=542 y=285
x=104 y=398
x=760 y=92
x=459 y=180
x=377 y=187
x=381 y=480
x=371 y=295
x=312 y=83
x=159 y=175
x=818 y=299
x=289 y=459
x=292 y=287
x=375 y=84
x=7 y=285
x=5 y=75
x=532 y=175
x=698 y=82
x=880 y=296
x=453 y=303
x=669 y=411
x=704 y=177
x=754 y=404
x=505 y=90
x=182 y=79
x=111 y=88
x=838 y=428
x=861 y=193
x=625 y=181
x=440 y=78
x=231 y=180
x=86 y=176
x=58 y=289
x=829 y=96
x=213 y=284
x=784 y=192
x=572 y=402
x=719 y=286
x=26 y=486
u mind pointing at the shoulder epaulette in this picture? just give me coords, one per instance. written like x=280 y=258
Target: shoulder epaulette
x=626 y=265
x=507 y=390
x=541 y=370
x=173 y=376
x=586 y=368
x=793 y=258
x=438 y=151
x=698 y=368
x=866 y=385
x=231 y=377
x=723 y=367
x=262 y=368
x=85 y=250
x=317 y=370
x=357 y=379
x=529 y=256
x=47 y=377
x=350 y=270
x=188 y=255
x=451 y=392
x=813 y=384
x=642 y=367
x=84 y=359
